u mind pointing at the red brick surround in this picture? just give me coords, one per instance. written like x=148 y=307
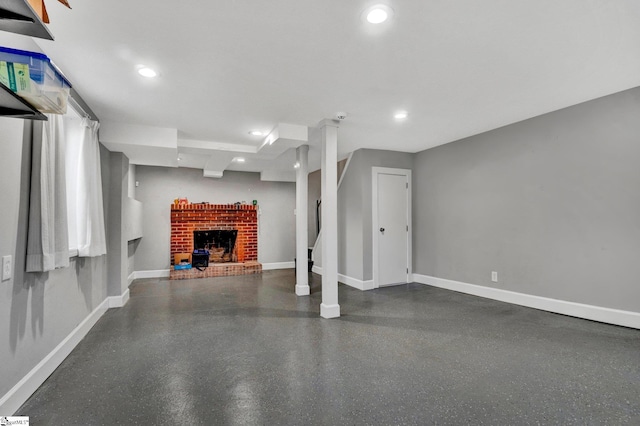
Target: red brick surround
x=186 y=218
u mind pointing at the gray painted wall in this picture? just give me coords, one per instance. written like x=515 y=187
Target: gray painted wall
x=117 y=238
x=314 y=194
x=159 y=186
x=131 y=181
x=132 y=246
x=355 y=253
x=350 y=219
x=37 y=311
x=552 y=204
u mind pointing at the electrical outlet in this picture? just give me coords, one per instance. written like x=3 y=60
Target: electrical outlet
x=494 y=276
x=7 y=268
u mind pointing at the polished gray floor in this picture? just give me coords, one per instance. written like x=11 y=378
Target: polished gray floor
x=247 y=351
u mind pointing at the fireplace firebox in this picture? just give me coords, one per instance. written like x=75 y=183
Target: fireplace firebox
x=220 y=244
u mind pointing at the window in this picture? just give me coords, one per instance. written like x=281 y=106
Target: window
x=73 y=139
x=85 y=216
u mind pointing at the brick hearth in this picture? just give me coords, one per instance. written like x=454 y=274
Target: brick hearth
x=218 y=270
x=187 y=218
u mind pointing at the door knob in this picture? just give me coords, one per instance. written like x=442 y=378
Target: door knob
x=381 y=229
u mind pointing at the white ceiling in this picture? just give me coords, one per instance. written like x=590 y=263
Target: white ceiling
x=231 y=66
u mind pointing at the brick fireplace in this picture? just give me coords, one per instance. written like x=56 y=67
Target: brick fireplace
x=188 y=218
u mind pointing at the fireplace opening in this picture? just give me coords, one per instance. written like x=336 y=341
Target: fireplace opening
x=220 y=244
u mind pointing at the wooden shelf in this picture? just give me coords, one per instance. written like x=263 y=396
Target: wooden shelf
x=12 y=105
x=18 y=17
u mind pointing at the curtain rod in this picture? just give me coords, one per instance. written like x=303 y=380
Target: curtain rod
x=81 y=107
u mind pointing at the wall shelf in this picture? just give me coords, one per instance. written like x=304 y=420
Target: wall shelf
x=12 y=105
x=18 y=17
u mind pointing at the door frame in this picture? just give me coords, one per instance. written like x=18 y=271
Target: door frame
x=375 y=172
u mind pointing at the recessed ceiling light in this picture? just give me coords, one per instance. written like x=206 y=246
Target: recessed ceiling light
x=147 y=72
x=400 y=115
x=239 y=160
x=256 y=133
x=378 y=14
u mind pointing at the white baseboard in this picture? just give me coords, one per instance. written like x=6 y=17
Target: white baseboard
x=118 y=301
x=367 y=285
x=356 y=283
x=132 y=276
x=351 y=282
x=18 y=395
x=590 y=312
x=159 y=273
x=278 y=265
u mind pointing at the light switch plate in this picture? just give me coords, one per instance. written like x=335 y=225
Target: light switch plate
x=7 y=268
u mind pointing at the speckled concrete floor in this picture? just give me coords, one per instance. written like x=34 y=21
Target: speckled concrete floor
x=246 y=350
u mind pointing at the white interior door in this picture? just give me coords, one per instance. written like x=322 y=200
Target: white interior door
x=392 y=227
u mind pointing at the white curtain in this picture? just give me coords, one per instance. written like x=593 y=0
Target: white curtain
x=89 y=212
x=48 y=237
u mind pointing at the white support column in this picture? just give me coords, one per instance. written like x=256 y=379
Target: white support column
x=329 y=178
x=302 y=225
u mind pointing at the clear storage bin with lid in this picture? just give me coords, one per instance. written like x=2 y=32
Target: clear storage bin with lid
x=33 y=77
